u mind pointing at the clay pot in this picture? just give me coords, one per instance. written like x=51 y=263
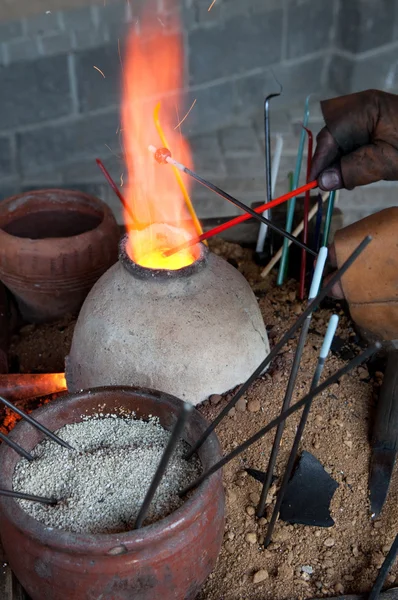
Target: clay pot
x=169 y=559
x=54 y=245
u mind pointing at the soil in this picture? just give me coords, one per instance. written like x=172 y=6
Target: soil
x=301 y=562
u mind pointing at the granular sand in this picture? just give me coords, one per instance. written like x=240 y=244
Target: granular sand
x=103 y=484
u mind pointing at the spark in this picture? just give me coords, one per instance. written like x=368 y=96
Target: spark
x=99 y=71
x=161 y=22
x=112 y=151
x=120 y=54
x=182 y=120
x=121 y=180
x=211 y=5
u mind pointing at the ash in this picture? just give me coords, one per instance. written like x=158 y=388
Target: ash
x=103 y=484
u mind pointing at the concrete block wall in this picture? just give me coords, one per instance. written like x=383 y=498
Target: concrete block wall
x=58 y=113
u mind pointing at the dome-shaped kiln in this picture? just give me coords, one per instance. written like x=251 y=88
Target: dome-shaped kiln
x=190 y=332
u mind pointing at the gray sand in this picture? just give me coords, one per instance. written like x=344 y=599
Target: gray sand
x=103 y=485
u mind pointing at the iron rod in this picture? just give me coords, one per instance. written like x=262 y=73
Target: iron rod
x=250 y=211
x=320 y=265
x=164 y=461
x=31 y=497
x=36 y=424
x=328 y=218
x=16 y=447
x=268 y=159
x=318 y=223
x=385 y=568
x=285 y=338
x=237 y=220
x=263 y=231
x=275 y=422
x=307 y=197
x=331 y=330
x=235 y=201
x=292 y=203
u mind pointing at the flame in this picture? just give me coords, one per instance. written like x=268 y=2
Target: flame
x=153 y=70
x=26 y=385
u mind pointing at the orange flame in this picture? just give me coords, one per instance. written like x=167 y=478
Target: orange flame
x=153 y=70
x=26 y=385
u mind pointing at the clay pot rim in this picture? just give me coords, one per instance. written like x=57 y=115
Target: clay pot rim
x=75 y=195
x=129 y=541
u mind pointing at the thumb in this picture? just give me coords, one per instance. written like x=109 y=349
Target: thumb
x=370 y=163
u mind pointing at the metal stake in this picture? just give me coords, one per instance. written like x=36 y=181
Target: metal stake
x=320 y=265
x=307 y=197
x=36 y=424
x=31 y=497
x=276 y=349
x=16 y=447
x=331 y=330
x=292 y=203
x=164 y=461
x=358 y=360
x=386 y=566
x=267 y=134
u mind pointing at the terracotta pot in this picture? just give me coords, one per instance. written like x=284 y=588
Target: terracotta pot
x=169 y=559
x=54 y=245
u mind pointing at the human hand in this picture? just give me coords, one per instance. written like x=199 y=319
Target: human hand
x=359 y=144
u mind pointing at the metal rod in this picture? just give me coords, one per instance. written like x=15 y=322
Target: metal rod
x=237 y=220
x=307 y=197
x=275 y=422
x=249 y=211
x=31 y=497
x=267 y=134
x=36 y=424
x=316 y=282
x=292 y=203
x=328 y=218
x=114 y=187
x=15 y=446
x=164 y=461
x=296 y=232
x=385 y=568
x=327 y=342
x=318 y=224
x=262 y=233
x=228 y=197
x=285 y=338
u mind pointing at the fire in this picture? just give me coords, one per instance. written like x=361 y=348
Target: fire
x=153 y=72
x=27 y=385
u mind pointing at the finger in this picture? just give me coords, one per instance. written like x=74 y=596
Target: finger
x=326 y=153
x=368 y=164
x=331 y=179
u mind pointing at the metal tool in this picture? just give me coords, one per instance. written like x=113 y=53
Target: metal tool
x=385 y=435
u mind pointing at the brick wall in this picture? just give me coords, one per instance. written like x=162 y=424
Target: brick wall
x=57 y=113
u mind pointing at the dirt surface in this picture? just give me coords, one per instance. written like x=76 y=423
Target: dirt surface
x=337 y=560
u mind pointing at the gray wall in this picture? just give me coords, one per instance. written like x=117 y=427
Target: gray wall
x=57 y=113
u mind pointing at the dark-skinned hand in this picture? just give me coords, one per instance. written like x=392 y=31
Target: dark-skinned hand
x=359 y=144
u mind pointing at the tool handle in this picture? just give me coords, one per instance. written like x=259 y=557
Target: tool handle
x=385 y=431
